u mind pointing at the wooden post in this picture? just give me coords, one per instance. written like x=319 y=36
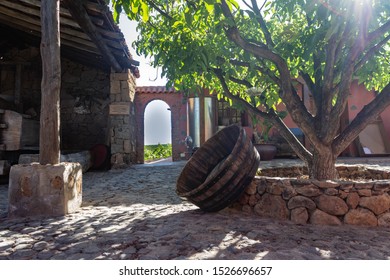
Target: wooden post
x=49 y=140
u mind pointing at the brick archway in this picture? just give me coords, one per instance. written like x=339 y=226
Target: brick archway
x=178 y=105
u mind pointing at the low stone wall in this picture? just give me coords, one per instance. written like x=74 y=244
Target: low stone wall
x=355 y=202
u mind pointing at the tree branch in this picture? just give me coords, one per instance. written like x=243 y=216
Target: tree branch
x=368 y=114
x=263 y=25
x=272 y=117
x=374 y=35
x=158 y=9
x=241 y=82
x=292 y=101
x=371 y=52
x=265 y=71
x=328 y=130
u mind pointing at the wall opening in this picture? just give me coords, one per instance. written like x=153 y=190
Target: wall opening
x=157 y=132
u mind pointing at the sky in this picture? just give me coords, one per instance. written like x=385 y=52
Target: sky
x=157 y=116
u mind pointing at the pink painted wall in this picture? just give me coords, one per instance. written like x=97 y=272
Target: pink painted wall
x=359 y=98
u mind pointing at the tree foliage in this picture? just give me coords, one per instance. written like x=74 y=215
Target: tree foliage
x=254 y=53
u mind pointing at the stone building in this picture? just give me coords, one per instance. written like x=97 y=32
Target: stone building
x=97 y=86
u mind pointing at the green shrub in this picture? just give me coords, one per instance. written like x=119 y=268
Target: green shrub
x=153 y=152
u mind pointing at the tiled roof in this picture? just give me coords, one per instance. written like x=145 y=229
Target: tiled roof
x=155 y=89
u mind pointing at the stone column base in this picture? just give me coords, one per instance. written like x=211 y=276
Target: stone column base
x=44 y=190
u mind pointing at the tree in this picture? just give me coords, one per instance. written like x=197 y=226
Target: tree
x=253 y=53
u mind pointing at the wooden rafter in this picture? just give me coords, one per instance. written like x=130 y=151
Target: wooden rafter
x=79 y=13
x=99 y=36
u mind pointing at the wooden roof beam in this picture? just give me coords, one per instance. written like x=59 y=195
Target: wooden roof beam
x=37 y=3
x=79 y=13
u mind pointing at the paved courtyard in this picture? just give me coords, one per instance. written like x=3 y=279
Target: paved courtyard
x=134 y=213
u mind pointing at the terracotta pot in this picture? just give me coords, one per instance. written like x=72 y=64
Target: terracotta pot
x=266 y=151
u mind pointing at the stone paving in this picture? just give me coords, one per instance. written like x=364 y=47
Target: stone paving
x=134 y=213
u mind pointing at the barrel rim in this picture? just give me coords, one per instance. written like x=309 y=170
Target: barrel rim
x=227 y=160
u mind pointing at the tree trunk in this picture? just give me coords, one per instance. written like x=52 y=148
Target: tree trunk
x=323 y=165
x=49 y=140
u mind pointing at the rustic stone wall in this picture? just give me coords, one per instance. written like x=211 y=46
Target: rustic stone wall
x=122 y=118
x=353 y=202
x=85 y=98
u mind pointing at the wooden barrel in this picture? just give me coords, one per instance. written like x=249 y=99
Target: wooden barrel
x=220 y=170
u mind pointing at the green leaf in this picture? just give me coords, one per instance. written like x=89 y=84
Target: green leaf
x=145 y=11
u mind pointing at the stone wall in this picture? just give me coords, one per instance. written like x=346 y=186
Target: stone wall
x=354 y=202
x=89 y=97
x=85 y=99
x=122 y=118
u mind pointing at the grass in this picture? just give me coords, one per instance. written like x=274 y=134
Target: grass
x=153 y=152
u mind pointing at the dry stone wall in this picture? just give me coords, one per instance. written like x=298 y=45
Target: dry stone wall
x=353 y=202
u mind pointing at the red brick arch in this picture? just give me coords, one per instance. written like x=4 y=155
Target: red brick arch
x=178 y=105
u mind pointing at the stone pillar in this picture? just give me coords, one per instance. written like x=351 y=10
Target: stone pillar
x=44 y=190
x=122 y=118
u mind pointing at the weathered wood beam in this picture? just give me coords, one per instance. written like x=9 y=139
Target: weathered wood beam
x=13 y=9
x=110 y=34
x=30 y=24
x=101 y=9
x=37 y=3
x=49 y=140
x=79 y=13
x=21 y=8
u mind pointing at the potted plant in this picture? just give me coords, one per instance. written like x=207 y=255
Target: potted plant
x=261 y=138
x=262 y=143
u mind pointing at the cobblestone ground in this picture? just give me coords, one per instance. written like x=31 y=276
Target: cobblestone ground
x=134 y=213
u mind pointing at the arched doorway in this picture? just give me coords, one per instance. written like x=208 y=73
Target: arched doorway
x=157 y=131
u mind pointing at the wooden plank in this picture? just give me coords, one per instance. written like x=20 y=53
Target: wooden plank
x=79 y=13
x=11 y=136
x=11 y=8
x=49 y=140
x=101 y=9
x=18 y=131
x=21 y=8
x=37 y=3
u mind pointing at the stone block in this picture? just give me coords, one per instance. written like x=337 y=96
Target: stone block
x=299 y=215
x=353 y=200
x=120 y=76
x=332 y=205
x=384 y=220
x=365 y=192
x=360 y=217
x=252 y=188
x=308 y=190
x=115 y=87
x=301 y=201
x=321 y=218
x=288 y=192
x=44 y=190
x=127 y=146
x=272 y=206
x=275 y=188
x=377 y=204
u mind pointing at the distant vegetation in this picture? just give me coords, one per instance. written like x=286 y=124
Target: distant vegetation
x=153 y=152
